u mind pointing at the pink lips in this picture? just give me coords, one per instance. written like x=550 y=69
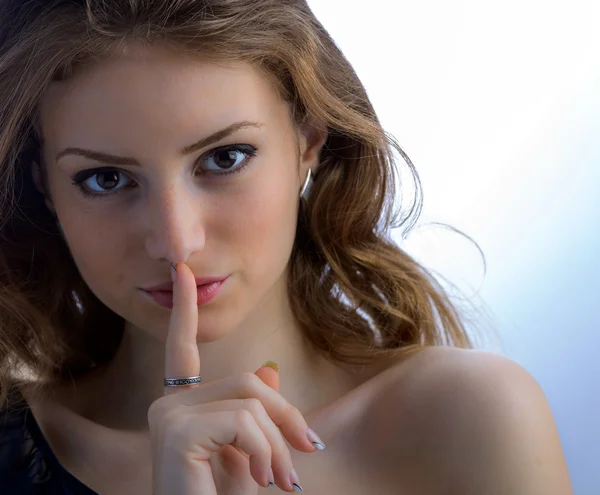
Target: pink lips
x=168 y=286
x=205 y=293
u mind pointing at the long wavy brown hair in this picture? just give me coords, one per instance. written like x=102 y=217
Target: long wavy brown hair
x=357 y=296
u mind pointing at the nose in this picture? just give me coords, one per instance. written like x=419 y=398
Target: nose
x=175 y=229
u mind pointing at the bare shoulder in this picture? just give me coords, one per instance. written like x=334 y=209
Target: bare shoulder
x=459 y=421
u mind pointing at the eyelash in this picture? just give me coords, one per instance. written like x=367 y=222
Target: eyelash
x=79 y=178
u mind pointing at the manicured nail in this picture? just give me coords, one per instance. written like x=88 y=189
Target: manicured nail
x=173 y=272
x=315 y=440
x=271 y=364
x=295 y=481
x=271 y=477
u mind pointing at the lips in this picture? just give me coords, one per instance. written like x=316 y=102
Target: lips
x=168 y=286
x=204 y=293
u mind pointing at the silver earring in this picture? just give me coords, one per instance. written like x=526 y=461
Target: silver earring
x=307 y=184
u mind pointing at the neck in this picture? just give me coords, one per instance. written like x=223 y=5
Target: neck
x=119 y=394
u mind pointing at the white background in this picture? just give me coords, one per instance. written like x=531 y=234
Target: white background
x=498 y=106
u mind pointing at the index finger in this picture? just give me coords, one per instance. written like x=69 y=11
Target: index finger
x=182 y=358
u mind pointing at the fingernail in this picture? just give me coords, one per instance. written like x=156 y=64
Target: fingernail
x=173 y=272
x=315 y=440
x=295 y=481
x=271 y=364
x=271 y=477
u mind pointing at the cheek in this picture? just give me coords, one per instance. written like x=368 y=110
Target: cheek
x=97 y=247
x=263 y=230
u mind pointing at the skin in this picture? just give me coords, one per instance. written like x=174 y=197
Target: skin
x=149 y=106
x=383 y=430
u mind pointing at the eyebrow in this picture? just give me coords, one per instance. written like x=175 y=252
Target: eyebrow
x=126 y=160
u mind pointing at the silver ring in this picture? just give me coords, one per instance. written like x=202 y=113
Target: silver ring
x=181 y=382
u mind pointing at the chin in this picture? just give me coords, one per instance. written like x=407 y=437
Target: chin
x=206 y=335
x=211 y=328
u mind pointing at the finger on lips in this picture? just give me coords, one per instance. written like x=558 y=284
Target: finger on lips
x=269 y=417
x=182 y=358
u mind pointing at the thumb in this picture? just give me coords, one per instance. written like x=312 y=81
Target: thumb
x=269 y=374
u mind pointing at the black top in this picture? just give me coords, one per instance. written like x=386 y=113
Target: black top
x=27 y=464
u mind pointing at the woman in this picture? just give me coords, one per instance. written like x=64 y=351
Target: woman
x=135 y=262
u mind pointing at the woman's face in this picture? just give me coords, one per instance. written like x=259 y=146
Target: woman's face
x=142 y=194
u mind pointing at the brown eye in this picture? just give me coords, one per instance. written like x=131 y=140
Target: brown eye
x=100 y=181
x=228 y=160
x=107 y=180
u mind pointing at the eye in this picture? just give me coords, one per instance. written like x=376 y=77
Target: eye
x=101 y=180
x=104 y=182
x=226 y=160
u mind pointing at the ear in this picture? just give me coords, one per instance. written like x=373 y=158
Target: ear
x=40 y=185
x=312 y=137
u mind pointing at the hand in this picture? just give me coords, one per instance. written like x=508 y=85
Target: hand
x=223 y=437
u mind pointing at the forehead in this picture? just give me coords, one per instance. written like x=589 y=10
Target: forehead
x=156 y=92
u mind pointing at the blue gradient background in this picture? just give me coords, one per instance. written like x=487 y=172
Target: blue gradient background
x=498 y=106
